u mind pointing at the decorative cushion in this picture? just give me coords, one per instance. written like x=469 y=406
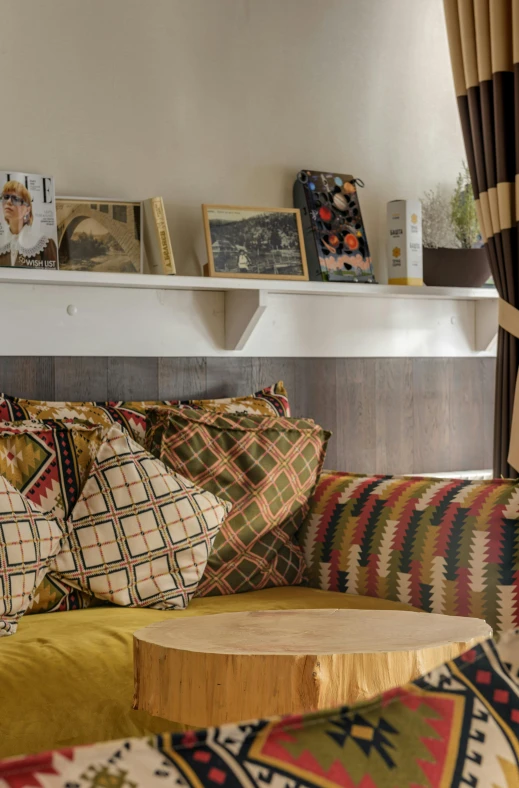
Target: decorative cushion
x=138 y=535
x=266 y=467
x=508 y=647
x=48 y=462
x=443 y=545
x=27 y=540
x=270 y=401
x=458 y=726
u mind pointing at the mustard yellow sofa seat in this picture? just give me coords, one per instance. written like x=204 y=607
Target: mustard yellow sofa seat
x=67 y=678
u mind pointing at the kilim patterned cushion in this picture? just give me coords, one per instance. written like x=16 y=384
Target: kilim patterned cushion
x=266 y=467
x=48 y=463
x=139 y=535
x=443 y=545
x=270 y=401
x=27 y=540
x=458 y=726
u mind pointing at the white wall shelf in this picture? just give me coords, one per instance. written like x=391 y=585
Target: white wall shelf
x=76 y=313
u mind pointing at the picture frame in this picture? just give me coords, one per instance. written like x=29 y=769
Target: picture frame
x=254 y=243
x=100 y=235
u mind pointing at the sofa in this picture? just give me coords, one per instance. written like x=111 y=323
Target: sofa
x=385 y=543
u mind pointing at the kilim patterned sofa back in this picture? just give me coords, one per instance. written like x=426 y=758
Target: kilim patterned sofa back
x=442 y=545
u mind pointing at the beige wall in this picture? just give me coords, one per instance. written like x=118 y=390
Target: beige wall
x=225 y=100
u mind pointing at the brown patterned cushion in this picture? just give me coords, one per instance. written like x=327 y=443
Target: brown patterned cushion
x=270 y=401
x=139 y=535
x=48 y=463
x=266 y=467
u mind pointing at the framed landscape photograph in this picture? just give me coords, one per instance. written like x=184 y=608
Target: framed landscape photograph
x=254 y=243
x=99 y=235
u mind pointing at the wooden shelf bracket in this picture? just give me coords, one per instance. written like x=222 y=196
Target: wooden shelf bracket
x=243 y=311
x=486 y=325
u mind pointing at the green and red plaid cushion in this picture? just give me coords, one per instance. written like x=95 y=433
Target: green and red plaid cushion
x=270 y=401
x=443 y=545
x=266 y=467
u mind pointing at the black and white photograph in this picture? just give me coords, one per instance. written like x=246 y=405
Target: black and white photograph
x=258 y=243
x=99 y=235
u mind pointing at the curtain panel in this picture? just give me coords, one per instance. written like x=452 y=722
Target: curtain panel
x=484 y=47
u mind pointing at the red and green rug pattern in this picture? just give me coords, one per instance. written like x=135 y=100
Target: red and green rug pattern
x=456 y=727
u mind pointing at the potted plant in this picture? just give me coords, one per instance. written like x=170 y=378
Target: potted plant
x=453 y=254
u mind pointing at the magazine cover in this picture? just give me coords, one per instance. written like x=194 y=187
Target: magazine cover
x=28 y=231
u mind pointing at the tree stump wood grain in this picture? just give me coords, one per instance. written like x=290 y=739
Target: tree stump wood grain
x=208 y=670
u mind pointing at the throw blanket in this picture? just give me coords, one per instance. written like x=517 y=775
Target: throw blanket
x=457 y=726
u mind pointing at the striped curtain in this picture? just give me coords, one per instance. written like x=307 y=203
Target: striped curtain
x=484 y=46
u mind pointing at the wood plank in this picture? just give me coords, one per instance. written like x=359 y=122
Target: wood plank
x=78 y=378
x=182 y=378
x=133 y=379
x=394 y=416
x=31 y=377
x=431 y=408
x=356 y=415
x=229 y=377
x=466 y=404
x=315 y=397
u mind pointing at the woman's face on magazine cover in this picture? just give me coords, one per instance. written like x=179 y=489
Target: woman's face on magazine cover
x=14 y=212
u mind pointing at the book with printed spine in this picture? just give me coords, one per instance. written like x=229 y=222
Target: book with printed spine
x=157 y=243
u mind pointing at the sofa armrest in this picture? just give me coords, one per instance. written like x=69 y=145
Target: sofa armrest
x=320 y=535
x=441 y=545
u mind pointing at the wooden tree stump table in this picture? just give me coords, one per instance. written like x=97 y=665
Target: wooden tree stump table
x=208 y=670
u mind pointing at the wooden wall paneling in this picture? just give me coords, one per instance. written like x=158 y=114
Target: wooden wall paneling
x=431 y=409
x=315 y=397
x=466 y=402
x=133 y=378
x=356 y=415
x=229 y=377
x=386 y=415
x=394 y=415
x=182 y=378
x=31 y=377
x=80 y=378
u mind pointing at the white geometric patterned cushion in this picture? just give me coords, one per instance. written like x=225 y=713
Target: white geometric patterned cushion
x=139 y=534
x=28 y=538
x=508 y=650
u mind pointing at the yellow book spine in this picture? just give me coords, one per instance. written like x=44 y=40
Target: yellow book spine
x=166 y=251
x=410 y=280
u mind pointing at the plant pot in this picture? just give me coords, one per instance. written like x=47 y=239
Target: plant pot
x=455 y=267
